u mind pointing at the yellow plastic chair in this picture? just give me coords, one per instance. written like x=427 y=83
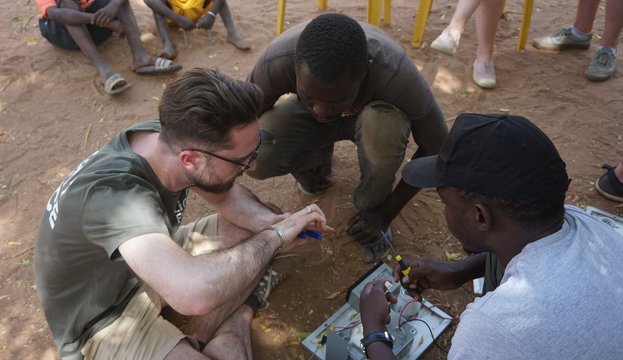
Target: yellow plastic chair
x=424 y=11
x=375 y=9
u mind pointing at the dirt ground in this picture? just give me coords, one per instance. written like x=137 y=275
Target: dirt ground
x=52 y=116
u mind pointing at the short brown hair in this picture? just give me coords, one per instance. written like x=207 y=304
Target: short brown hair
x=201 y=106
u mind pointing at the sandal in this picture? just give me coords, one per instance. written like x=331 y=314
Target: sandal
x=115 y=84
x=608 y=185
x=160 y=66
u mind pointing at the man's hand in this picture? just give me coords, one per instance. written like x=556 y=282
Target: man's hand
x=373 y=306
x=429 y=274
x=206 y=21
x=308 y=218
x=367 y=225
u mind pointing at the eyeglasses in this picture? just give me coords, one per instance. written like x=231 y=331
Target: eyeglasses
x=246 y=165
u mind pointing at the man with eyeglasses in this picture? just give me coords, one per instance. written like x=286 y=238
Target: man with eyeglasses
x=114 y=269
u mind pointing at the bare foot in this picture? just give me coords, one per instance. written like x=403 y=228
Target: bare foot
x=238 y=42
x=168 y=52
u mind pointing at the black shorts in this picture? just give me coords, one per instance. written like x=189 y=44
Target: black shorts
x=58 y=35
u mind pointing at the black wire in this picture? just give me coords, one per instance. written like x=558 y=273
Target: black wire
x=431 y=333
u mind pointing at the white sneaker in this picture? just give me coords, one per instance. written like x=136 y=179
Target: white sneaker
x=484 y=74
x=446 y=43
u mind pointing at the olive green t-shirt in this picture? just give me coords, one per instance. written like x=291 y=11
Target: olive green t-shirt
x=111 y=197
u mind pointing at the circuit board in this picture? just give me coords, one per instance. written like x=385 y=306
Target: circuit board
x=338 y=338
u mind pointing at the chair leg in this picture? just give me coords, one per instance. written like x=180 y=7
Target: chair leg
x=387 y=12
x=281 y=15
x=420 y=22
x=525 y=24
x=374 y=12
x=322 y=5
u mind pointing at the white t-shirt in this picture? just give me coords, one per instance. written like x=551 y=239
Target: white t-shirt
x=560 y=298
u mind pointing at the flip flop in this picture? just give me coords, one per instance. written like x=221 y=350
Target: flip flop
x=115 y=84
x=161 y=66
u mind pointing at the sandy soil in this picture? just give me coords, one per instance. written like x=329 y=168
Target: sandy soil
x=52 y=116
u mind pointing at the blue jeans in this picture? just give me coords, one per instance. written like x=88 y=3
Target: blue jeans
x=380 y=132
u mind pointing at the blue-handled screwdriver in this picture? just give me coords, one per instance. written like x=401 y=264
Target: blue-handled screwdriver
x=311 y=233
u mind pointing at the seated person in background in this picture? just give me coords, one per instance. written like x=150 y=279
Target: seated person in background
x=488 y=14
x=347 y=81
x=503 y=185
x=110 y=254
x=81 y=24
x=579 y=36
x=192 y=14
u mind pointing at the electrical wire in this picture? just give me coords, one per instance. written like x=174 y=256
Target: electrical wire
x=348 y=327
x=414 y=318
x=431 y=333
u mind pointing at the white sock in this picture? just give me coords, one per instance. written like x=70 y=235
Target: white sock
x=581 y=35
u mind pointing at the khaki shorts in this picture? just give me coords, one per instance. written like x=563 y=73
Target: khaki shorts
x=141 y=332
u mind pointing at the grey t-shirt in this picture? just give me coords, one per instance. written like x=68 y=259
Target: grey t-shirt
x=111 y=197
x=392 y=77
x=560 y=298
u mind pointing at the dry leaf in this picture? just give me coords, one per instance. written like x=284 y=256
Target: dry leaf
x=333 y=295
x=453 y=256
x=265 y=328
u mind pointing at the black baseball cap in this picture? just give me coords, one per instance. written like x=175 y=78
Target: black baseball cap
x=493 y=155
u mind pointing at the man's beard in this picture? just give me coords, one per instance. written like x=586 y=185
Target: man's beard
x=218 y=188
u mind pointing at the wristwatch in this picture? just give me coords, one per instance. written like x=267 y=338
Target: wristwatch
x=376 y=336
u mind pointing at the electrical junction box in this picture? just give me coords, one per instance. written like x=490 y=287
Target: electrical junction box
x=344 y=331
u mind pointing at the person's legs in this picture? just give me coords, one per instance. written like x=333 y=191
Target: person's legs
x=233 y=339
x=138 y=333
x=299 y=142
x=381 y=134
x=464 y=10
x=213 y=233
x=139 y=56
x=230 y=322
x=487 y=19
x=614 y=23
x=603 y=63
x=168 y=50
x=83 y=39
x=449 y=39
x=233 y=37
x=585 y=15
